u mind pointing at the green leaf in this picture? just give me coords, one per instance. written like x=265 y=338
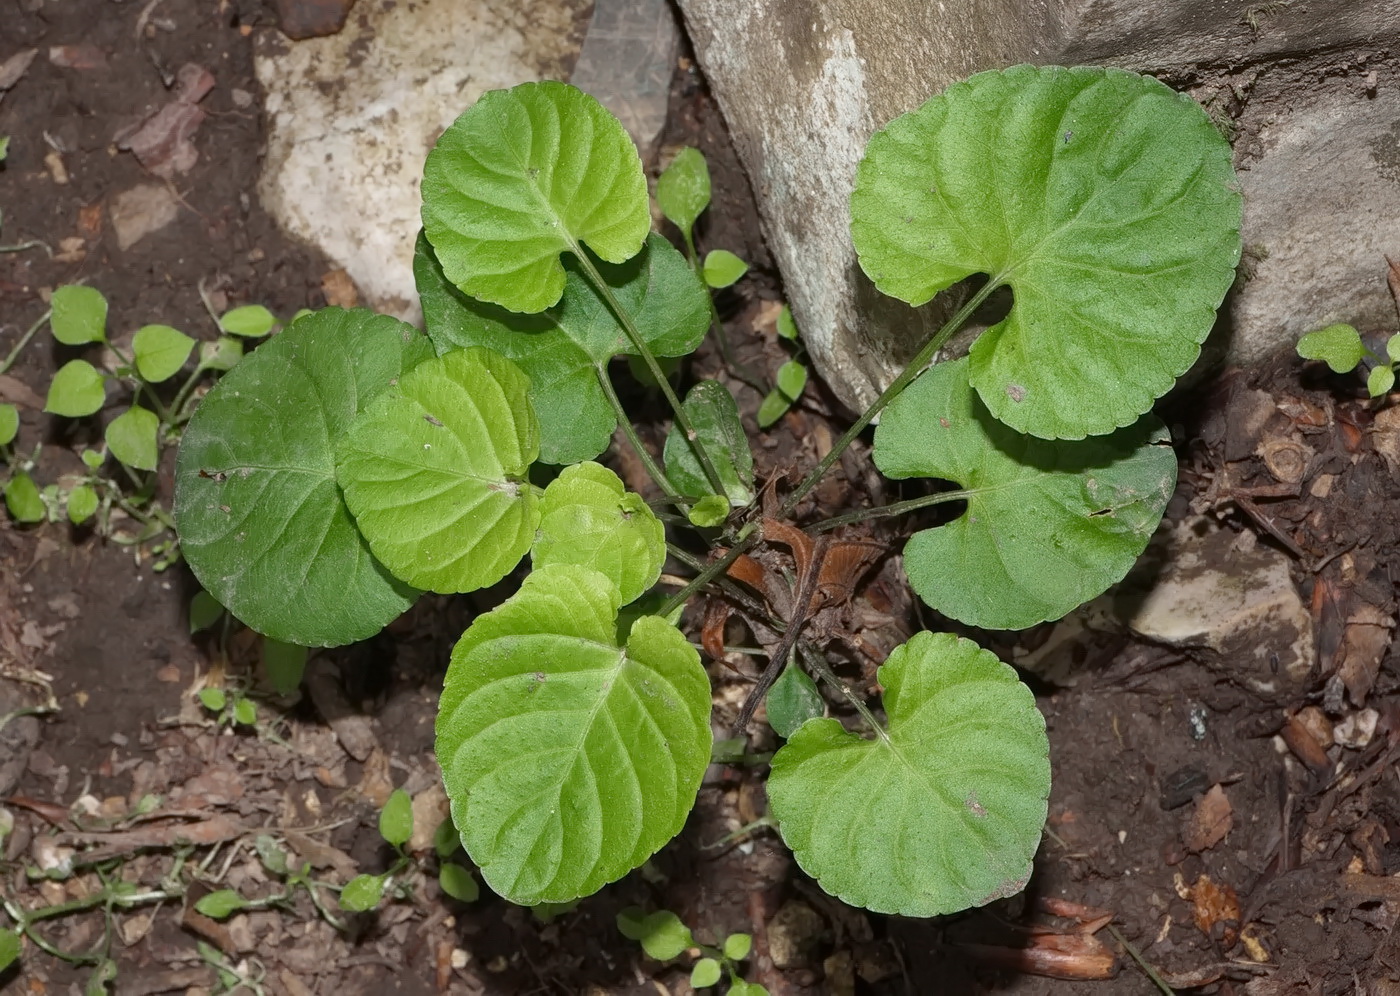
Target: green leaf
x=205 y=611
x=82 y=504
x=221 y=355
x=251 y=321
x=524 y=175
x=662 y=934
x=273 y=857
x=709 y=511
x=9 y=945
x=396 y=818
x=213 y=699
x=9 y=424
x=705 y=973
x=458 y=883
x=787 y=326
x=77 y=389
x=1049 y=524
x=4 y=151
x=738 y=946
x=1392 y=348
x=773 y=407
x=565 y=350
x=160 y=351
x=79 y=315
x=722 y=268
x=1339 y=345
x=285 y=663
x=792 y=378
x=1380 y=380
x=1104 y=200
x=362 y=893
x=792 y=701
x=742 y=988
x=570 y=760
x=435 y=472
x=92 y=459
x=132 y=438
x=23 y=500
x=589 y=519
x=245 y=712
x=947 y=804
x=715 y=418
x=683 y=189
x=260 y=516
x=445 y=839
x=220 y=904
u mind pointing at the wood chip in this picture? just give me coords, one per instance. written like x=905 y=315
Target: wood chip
x=13 y=68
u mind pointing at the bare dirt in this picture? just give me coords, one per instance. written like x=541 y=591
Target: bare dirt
x=1192 y=825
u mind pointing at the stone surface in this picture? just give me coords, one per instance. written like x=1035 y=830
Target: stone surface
x=1230 y=604
x=1311 y=93
x=627 y=60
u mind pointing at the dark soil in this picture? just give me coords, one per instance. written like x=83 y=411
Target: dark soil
x=1297 y=896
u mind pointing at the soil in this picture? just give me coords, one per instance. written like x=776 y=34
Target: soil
x=1194 y=828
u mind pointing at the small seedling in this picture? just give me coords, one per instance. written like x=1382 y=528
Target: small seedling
x=664 y=936
x=1341 y=348
x=365 y=892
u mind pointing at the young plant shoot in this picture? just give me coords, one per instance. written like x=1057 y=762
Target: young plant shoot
x=353 y=462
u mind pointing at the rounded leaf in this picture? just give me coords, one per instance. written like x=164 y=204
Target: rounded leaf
x=396 y=818
x=714 y=416
x=941 y=811
x=570 y=760
x=1339 y=345
x=220 y=904
x=709 y=511
x=160 y=351
x=1049 y=524
x=773 y=407
x=213 y=699
x=77 y=389
x=251 y=321
x=285 y=663
x=79 y=315
x=23 y=500
x=82 y=504
x=683 y=189
x=260 y=516
x=245 y=712
x=435 y=472
x=706 y=972
x=362 y=893
x=221 y=355
x=9 y=424
x=589 y=519
x=663 y=936
x=792 y=701
x=458 y=883
x=132 y=438
x=792 y=378
x=1380 y=380
x=722 y=268
x=1392 y=348
x=522 y=176
x=738 y=946
x=1107 y=203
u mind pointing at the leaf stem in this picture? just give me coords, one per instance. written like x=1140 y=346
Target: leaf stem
x=630 y=431
x=817 y=663
x=634 y=336
x=747 y=537
x=913 y=369
x=894 y=508
x=24 y=341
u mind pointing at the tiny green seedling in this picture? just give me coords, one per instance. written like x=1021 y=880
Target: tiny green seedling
x=1341 y=348
x=664 y=936
x=352 y=463
x=365 y=892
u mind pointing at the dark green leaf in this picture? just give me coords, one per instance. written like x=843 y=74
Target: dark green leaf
x=446 y=839
x=715 y=418
x=792 y=701
x=458 y=883
x=9 y=948
x=285 y=663
x=773 y=407
x=205 y=611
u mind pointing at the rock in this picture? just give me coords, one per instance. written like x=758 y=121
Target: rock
x=803 y=84
x=301 y=19
x=794 y=933
x=627 y=61
x=1235 y=610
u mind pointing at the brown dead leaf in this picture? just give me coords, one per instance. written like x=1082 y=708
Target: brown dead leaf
x=1304 y=744
x=1215 y=905
x=339 y=289
x=1210 y=822
x=163 y=143
x=376 y=785
x=320 y=855
x=90 y=220
x=81 y=56
x=1364 y=643
x=13 y=68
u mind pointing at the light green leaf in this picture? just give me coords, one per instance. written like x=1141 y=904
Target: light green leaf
x=251 y=321
x=565 y=350
x=160 y=351
x=1339 y=345
x=570 y=760
x=738 y=946
x=4 y=151
x=588 y=518
x=9 y=939
x=435 y=472
x=705 y=973
x=221 y=355
x=787 y=326
x=662 y=934
x=205 y=611
x=92 y=459
x=220 y=904
x=773 y=407
x=1392 y=348
x=396 y=818
x=131 y=437
x=362 y=893
x=715 y=418
x=722 y=268
x=709 y=511
x=683 y=190
x=213 y=699
x=947 y=804
x=23 y=500
x=792 y=701
x=792 y=378
x=259 y=513
x=79 y=315
x=1049 y=524
x=77 y=389
x=285 y=664
x=458 y=883
x=1380 y=380
x=245 y=712
x=1104 y=200
x=9 y=424
x=524 y=175
x=272 y=855
x=82 y=504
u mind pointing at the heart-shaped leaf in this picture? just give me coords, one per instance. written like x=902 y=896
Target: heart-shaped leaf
x=260 y=516
x=683 y=190
x=1049 y=524
x=524 y=175
x=82 y=504
x=132 y=438
x=23 y=500
x=565 y=350
x=589 y=519
x=77 y=389
x=714 y=416
x=434 y=472
x=941 y=811
x=160 y=351
x=722 y=268
x=79 y=315
x=1107 y=203
x=1339 y=345
x=570 y=760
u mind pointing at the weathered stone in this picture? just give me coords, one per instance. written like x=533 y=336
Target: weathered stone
x=627 y=61
x=1233 y=608
x=1309 y=92
x=300 y=19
